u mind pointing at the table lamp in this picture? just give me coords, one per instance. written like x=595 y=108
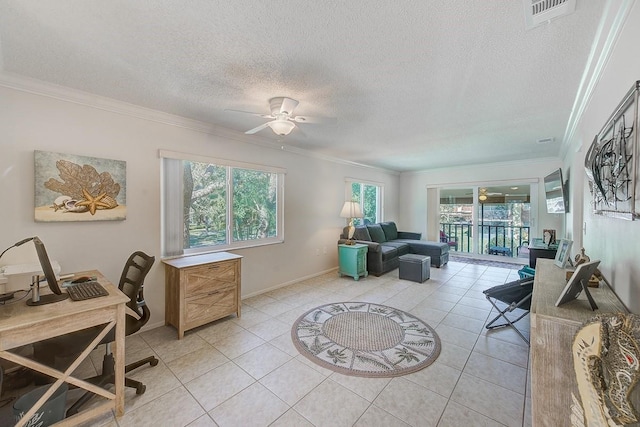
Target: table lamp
x=351 y=210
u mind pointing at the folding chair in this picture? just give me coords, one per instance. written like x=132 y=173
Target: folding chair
x=516 y=294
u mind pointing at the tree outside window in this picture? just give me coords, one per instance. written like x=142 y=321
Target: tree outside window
x=368 y=195
x=250 y=206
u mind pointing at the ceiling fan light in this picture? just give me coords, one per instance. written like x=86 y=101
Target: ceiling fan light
x=482 y=197
x=281 y=127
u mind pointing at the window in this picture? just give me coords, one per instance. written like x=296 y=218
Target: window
x=369 y=195
x=213 y=204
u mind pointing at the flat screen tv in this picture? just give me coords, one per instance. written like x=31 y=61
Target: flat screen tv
x=554 y=192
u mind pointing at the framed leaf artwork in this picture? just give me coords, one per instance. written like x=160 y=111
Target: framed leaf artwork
x=79 y=188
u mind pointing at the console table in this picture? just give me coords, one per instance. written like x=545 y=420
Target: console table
x=200 y=289
x=553 y=377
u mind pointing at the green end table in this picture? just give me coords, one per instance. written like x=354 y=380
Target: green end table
x=353 y=260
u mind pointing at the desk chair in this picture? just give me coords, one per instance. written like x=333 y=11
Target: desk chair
x=131 y=284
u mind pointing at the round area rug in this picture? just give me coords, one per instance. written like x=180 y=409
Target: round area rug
x=365 y=339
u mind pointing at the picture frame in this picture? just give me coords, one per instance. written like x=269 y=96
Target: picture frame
x=563 y=253
x=579 y=282
x=71 y=188
x=549 y=236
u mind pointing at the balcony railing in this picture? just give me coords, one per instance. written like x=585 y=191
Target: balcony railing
x=493 y=239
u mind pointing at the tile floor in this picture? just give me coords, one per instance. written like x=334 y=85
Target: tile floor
x=246 y=372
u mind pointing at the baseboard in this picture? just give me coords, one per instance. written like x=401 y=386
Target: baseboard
x=291 y=282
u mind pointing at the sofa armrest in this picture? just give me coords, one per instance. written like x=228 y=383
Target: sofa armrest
x=373 y=246
x=409 y=235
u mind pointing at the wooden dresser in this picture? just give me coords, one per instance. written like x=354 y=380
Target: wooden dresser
x=200 y=289
x=553 y=377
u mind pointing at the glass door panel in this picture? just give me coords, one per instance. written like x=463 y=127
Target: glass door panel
x=487 y=220
x=456 y=218
x=504 y=219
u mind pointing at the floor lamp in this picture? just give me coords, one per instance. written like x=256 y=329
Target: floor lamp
x=351 y=210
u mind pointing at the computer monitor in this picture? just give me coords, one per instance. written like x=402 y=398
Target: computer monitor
x=49 y=275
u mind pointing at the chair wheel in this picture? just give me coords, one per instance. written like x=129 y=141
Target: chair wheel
x=141 y=389
x=153 y=362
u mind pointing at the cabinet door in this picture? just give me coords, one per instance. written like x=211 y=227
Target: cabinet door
x=362 y=260
x=213 y=306
x=206 y=278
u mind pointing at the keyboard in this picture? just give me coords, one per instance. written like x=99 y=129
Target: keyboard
x=86 y=290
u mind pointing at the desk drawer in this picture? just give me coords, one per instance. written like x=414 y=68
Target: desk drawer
x=208 y=278
x=206 y=308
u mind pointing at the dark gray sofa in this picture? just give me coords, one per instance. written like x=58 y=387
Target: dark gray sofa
x=386 y=244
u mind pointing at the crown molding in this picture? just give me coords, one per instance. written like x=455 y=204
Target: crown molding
x=67 y=94
x=526 y=163
x=609 y=29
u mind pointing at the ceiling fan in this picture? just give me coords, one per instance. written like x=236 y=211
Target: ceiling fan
x=283 y=121
x=483 y=194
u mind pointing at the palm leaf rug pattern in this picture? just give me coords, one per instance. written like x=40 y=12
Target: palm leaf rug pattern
x=365 y=339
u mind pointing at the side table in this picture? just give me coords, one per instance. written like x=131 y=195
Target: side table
x=353 y=260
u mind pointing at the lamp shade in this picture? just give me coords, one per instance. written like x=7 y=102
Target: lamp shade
x=281 y=126
x=351 y=210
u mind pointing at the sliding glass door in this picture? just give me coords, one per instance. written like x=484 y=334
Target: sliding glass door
x=486 y=219
x=457 y=213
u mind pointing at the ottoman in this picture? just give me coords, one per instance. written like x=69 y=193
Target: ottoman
x=414 y=267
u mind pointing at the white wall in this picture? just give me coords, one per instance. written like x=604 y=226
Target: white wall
x=314 y=192
x=413 y=190
x=615 y=242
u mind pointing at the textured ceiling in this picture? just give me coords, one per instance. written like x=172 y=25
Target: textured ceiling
x=413 y=84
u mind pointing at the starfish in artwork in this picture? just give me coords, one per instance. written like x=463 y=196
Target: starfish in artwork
x=92 y=202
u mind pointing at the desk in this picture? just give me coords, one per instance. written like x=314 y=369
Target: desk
x=21 y=325
x=536 y=252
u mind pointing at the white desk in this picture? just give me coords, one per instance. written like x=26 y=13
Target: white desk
x=21 y=325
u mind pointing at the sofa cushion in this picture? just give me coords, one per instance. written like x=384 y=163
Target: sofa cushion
x=388 y=253
x=376 y=233
x=403 y=248
x=362 y=233
x=390 y=230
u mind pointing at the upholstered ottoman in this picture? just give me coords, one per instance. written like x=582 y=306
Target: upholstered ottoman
x=414 y=267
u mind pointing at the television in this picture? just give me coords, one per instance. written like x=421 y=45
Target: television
x=554 y=191
x=49 y=275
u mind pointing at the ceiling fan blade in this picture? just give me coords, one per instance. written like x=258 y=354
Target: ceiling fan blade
x=265 y=116
x=257 y=129
x=288 y=105
x=316 y=120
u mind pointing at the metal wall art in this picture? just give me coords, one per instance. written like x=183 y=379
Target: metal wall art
x=611 y=163
x=79 y=188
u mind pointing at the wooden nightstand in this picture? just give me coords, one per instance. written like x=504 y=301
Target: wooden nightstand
x=353 y=260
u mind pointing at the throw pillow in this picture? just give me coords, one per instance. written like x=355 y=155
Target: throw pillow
x=362 y=233
x=390 y=230
x=376 y=233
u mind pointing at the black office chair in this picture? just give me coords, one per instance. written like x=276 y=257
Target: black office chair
x=131 y=284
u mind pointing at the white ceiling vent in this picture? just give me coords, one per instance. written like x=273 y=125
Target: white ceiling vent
x=537 y=12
